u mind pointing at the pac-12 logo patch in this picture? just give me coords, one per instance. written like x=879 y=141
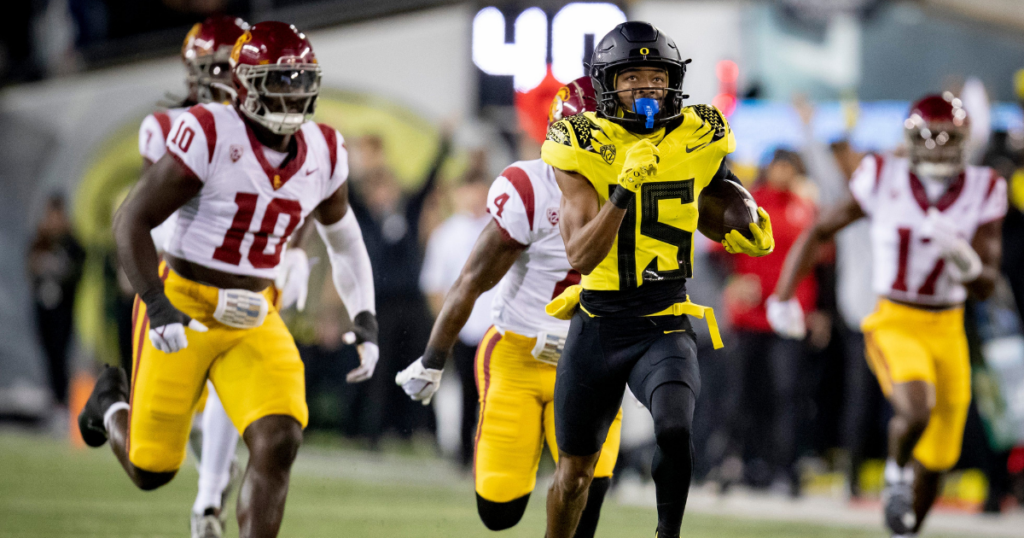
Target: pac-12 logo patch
x=553 y=216
x=236 y=152
x=608 y=153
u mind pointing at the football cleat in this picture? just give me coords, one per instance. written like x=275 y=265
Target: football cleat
x=898 y=500
x=207 y=525
x=111 y=387
x=235 y=478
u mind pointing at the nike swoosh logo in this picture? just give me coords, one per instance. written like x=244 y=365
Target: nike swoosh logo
x=308 y=172
x=695 y=148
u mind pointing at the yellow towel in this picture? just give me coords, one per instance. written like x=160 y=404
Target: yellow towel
x=564 y=306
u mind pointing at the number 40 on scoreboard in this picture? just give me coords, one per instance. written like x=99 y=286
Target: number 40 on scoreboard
x=526 y=57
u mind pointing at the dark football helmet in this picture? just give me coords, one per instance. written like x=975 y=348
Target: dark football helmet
x=276 y=76
x=937 y=129
x=574 y=98
x=637 y=44
x=207 y=53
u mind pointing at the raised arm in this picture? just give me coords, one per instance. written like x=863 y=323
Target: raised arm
x=804 y=254
x=588 y=229
x=492 y=256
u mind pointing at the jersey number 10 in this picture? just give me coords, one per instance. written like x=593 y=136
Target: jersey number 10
x=230 y=250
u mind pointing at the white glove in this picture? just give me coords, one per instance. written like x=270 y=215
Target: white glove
x=786 y=317
x=293 y=279
x=419 y=383
x=368 y=355
x=171 y=338
x=964 y=263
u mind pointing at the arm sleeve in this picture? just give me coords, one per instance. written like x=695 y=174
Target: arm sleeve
x=995 y=204
x=864 y=185
x=152 y=143
x=350 y=264
x=188 y=144
x=508 y=210
x=560 y=147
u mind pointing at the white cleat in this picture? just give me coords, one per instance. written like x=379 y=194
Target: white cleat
x=207 y=525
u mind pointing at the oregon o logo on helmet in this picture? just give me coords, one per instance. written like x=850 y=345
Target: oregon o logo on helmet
x=645 y=51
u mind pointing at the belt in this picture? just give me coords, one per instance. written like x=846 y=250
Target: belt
x=564 y=306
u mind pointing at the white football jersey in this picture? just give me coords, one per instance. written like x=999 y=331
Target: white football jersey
x=907 y=264
x=242 y=217
x=524 y=201
x=152 y=146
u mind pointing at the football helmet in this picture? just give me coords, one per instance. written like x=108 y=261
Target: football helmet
x=276 y=76
x=936 y=129
x=574 y=98
x=206 y=53
x=637 y=44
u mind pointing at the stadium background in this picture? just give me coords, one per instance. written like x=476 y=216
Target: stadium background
x=406 y=70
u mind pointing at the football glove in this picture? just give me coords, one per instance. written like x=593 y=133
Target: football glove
x=763 y=243
x=964 y=263
x=167 y=323
x=641 y=164
x=786 y=317
x=293 y=279
x=418 y=382
x=364 y=336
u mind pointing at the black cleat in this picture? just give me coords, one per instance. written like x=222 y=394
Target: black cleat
x=898 y=499
x=111 y=387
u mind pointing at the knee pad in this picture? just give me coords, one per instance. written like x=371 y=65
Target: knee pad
x=500 y=516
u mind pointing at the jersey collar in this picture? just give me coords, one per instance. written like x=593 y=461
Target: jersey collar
x=953 y=191
x=293 y=162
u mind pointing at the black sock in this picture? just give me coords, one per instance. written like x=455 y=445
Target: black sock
x=592 y=512
x=672 y=408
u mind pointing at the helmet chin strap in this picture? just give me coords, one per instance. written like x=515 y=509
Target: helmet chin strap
x=938 y=172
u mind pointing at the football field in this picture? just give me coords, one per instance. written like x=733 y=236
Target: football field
x=49 y=489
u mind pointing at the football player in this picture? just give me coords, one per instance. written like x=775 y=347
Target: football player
x=522 y=251
x=206 y=53
x=936 y=233
x=244 y=175
x=630 y=175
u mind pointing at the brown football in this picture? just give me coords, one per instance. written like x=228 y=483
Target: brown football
x=724 y=206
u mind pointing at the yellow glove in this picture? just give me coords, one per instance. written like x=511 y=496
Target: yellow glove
x=641 y=164
x=763 y=243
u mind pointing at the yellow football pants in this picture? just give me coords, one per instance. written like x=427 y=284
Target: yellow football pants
x=911 y=344
x=517 y=414
x=256 y=372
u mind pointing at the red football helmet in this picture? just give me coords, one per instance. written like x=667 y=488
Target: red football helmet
x=276 y=76
x=206 y=53
x=937 y=129
x=574 y=98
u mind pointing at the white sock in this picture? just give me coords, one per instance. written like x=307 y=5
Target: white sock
x=220 y=438
x=108 y=416
x=895 y=474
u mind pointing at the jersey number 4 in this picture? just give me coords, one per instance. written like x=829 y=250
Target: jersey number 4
x=651 y=195
x=900 y=284
x=231 y=250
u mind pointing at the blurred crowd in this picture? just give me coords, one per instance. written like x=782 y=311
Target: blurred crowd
x=769 y=406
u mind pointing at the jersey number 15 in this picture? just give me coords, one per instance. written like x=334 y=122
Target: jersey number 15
x=651 y=194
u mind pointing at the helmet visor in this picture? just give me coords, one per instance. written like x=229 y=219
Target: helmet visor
x=292 y=81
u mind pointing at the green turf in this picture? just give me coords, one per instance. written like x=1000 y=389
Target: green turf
x=50 y=490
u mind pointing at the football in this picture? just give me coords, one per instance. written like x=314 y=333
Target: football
x=724 y=206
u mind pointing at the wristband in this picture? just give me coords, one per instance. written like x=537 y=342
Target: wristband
x=159 y=308
x=621 y=197
x=366 y=326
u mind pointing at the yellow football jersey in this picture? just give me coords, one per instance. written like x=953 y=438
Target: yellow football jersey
x=654 y=241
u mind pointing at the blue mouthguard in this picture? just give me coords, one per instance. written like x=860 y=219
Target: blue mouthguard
x=648 y=107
